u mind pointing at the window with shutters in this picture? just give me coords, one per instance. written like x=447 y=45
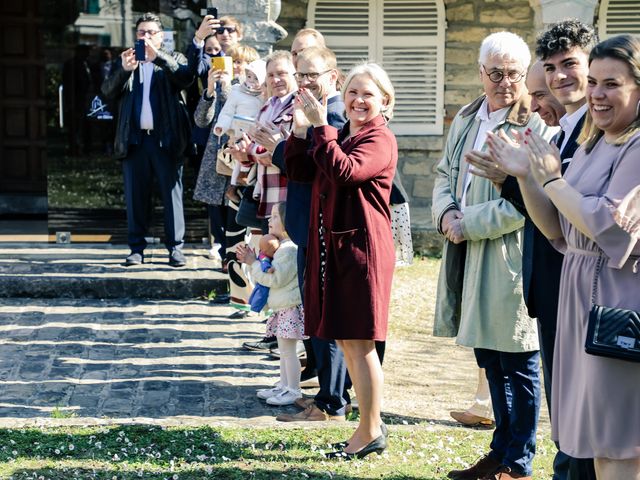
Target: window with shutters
x=618 y=17
x=406 y=37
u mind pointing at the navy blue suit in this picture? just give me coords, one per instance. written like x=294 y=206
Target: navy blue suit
x=330 y=364
x=541 y=267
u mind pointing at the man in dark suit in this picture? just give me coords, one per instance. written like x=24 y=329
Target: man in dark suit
x=563 y=51
x=152 y=135
x=316 y=70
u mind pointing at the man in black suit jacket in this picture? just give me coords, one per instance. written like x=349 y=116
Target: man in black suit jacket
x=152 y=135
x=563 y=50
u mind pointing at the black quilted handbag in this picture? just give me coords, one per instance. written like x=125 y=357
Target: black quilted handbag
x=612 y=332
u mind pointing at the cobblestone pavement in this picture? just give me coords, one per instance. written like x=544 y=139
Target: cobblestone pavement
x=129 y=360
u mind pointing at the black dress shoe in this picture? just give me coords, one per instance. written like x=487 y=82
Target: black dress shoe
x=238 y=314
x=377 y=445
x=343 y=445
x=134 y=259
x=177 y=258
x=266 y=343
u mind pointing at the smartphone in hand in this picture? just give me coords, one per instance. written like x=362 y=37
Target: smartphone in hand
x=213 y=11
x=141 y=54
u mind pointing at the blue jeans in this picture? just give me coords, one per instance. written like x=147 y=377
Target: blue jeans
x=514 y=383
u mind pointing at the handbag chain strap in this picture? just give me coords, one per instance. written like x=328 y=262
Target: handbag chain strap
x=596 y=275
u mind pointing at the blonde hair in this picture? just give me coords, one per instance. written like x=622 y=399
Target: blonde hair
x=379 y=76
x=243 y=52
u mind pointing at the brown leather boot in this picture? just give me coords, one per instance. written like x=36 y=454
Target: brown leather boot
x=483 y=467
x=505 y=473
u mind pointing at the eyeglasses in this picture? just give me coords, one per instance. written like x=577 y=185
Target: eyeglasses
x=311 y=76
x=221 y=30
x=144 y=33
x=496 y=76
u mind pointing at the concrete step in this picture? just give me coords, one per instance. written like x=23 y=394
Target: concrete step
x=98 y=271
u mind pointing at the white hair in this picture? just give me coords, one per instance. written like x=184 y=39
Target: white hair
x=507 y=46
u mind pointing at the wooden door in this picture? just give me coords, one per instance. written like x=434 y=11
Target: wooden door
x=22 y=100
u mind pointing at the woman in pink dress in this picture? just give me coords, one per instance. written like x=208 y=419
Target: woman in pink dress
x=591 y=215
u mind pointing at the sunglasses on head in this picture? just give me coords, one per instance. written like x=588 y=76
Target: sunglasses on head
x=221 y=30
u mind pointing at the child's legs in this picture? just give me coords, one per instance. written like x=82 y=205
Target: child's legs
x=289 y=363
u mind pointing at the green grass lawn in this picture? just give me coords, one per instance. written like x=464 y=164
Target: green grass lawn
x=128 y=452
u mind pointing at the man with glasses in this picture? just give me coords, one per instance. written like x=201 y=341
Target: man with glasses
x=479 y=297
x=152 y=135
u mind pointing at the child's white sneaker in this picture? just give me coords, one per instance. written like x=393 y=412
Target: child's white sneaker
x=214 y=253
x=286 y=397
x=267 y=393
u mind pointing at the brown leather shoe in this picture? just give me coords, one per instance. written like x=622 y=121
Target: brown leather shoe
x=310 y=414
x=505 y=473
x=481 y=469
x=303 y=403
x=471 y=420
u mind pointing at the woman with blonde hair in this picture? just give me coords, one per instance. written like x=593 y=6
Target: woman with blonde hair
x=350 y=256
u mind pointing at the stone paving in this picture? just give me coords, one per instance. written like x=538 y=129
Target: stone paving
x=129 y=360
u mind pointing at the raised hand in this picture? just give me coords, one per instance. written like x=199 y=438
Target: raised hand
x=483 y=165
x=245 y=254
x=315 y=111
x=300 y=121
x=129 y=62
x=208 y=27
x=508 y=156
x=544 y=158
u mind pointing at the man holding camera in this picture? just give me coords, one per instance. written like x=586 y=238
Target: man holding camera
x=152 y=134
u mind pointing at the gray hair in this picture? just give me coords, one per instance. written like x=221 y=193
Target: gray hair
x=506 y=45
x=382 y=81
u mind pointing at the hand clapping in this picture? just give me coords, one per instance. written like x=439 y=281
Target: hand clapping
x=315 y=111
x=544 y=158
x=245 y=254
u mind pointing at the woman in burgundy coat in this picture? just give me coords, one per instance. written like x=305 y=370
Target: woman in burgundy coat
x=350 y=257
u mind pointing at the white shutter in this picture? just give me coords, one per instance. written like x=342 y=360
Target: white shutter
x=412 y=47
x=619 y=16
x=406 y=37
x=345 y=26
x=338 y=18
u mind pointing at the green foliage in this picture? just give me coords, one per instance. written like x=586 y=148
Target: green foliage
x=57 y=413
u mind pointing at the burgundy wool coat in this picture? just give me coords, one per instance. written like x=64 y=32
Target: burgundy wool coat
x=351 y=185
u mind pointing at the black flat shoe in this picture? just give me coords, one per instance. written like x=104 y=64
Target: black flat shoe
x=343 y=445
x=377 y=445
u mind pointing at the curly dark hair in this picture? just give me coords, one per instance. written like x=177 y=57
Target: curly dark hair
x=563 y=36
x=149 y=17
